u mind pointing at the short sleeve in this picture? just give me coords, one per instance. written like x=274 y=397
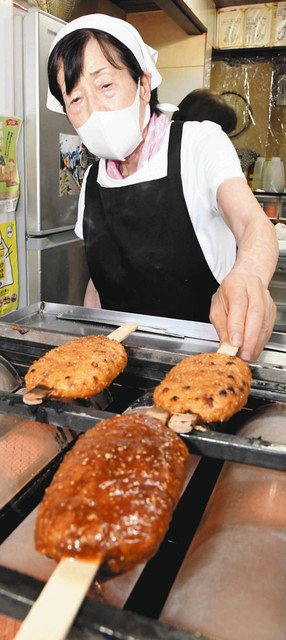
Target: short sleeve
x=208 y=158
x=213 y=155
x=221 y=161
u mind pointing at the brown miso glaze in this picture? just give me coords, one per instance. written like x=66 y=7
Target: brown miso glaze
x=114 y=493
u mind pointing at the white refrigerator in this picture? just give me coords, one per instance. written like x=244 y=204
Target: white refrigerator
x=51 y=259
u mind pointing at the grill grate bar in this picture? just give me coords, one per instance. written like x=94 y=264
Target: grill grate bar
x=252 y=451
x=95 y=620
x=61 y=414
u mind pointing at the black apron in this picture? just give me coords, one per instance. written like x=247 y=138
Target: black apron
x=142 y=250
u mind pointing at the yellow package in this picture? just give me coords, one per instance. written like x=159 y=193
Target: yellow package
x=9 y=176
x=9 y=283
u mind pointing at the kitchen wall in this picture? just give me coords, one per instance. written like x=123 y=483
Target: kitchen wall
x=183 y=61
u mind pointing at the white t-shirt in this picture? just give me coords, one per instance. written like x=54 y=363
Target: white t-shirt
x=207 y=159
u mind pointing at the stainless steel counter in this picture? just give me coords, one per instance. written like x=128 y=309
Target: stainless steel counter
x=165 y=333
x=277 y=289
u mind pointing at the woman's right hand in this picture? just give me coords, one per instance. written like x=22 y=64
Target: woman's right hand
x=243 y=313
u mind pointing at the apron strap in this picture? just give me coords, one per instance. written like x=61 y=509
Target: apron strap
x=174 y=150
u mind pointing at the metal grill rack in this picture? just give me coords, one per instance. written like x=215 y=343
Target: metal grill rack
x=157 y=346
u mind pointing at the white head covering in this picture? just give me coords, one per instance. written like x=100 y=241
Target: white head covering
x=123 y=31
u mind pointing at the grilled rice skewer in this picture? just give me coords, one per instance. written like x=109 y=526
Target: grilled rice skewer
x=114 y=493
x=110 y=504
x=79 y=368
x=212 y=386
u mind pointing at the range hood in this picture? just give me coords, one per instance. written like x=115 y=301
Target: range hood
x=180 y=12
x=177 y=10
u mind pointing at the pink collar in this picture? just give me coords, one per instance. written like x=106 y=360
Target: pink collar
x=156 y=130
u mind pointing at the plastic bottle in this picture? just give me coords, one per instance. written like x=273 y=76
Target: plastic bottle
x=257 y=173
x=274 y=176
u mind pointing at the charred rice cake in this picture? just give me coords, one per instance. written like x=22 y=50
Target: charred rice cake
x=212 y=385
x=79 y=368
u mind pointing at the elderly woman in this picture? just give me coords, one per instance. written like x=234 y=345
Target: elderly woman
x=169 y=223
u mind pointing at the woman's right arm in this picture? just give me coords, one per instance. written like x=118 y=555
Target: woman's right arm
x=91 y=298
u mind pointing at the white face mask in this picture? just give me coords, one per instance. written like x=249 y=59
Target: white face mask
x=114 y=134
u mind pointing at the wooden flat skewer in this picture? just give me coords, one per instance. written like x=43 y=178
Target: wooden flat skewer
x=36 y=395
x=40 y=393
x=227 y=349
x=178 y=422
x=157 y=413
x=53 y=613
x=123 y=331
x=186 y=422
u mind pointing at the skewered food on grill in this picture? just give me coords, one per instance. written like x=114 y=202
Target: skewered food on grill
x=114 y=493
x=212 y=385
x=79 y=368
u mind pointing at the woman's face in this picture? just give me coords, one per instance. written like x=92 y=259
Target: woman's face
x=101 y=87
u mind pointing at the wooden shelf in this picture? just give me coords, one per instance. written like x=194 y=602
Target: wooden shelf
x=272 y=194
x=259 y=52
